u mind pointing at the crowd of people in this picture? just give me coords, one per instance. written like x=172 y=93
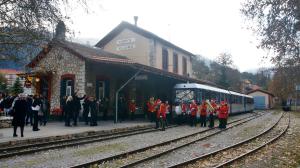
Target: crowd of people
x=35 y=109
x=25 y=110
x=91 y=107
x=159 y=112
x=194 y=113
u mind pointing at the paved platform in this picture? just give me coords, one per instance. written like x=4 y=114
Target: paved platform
x=57 y=129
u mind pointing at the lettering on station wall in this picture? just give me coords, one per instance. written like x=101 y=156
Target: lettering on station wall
x=125 y=44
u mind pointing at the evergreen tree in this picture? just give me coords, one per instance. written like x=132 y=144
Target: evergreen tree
x=17 y=87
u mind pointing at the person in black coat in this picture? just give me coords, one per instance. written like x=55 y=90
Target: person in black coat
x=76 y=106
x=86 y=110
x=93 y=110
x=68 y=110
x=122 y=108
x=19 y=112
x=36 y=107
x=45 y=109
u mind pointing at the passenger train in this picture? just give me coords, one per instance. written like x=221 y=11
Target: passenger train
x=238 y=103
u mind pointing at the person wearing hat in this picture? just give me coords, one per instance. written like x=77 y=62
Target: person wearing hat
x=223 y=114
x=161 y=115
x=203 y=114
x=194 y=109
x=184 y=109
x=212 y=112
x=132 y=109
x=151 y=108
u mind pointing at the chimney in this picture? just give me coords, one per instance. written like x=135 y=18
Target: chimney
x=135 y=20
x=60 y=31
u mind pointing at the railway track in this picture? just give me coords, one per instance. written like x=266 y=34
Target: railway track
x=134 y=157
x=18 y=150
x=226 y=156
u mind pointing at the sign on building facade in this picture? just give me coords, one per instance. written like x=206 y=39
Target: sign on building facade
x=125 y=44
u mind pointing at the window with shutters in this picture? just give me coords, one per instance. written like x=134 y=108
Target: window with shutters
x=175 y=63
x=184 y=66
x=165 y=62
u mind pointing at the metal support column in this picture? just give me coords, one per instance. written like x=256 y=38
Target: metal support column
x=117 y=93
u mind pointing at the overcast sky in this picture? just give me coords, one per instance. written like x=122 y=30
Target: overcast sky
x=205 y=27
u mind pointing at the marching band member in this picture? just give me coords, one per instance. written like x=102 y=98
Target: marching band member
x=212 y=112
x=194 y=109
x=184 y=109
x=203 y=114
x=168 y=115
x=161 y=115
x=223 y=114
x=132 y=109
x=151 y=108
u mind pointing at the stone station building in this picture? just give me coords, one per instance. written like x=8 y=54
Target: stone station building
x=64 y=67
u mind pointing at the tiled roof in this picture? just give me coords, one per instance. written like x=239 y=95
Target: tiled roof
x=260 y=90
x=125 y=25
x=98 y=55
x=111 y=60
x=90 y=52
x=82 y=51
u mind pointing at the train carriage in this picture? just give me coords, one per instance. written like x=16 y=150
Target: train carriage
x=186 y=92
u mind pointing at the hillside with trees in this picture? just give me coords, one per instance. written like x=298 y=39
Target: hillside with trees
x=224 y=74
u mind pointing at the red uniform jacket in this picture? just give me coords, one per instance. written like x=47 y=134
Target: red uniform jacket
x=151 y=106
x=223 y=113
x=184 y=108
x=162 y=111
x=194 y=109
x=203 y=110
x=132 y=107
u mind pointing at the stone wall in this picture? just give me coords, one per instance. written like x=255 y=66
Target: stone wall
x=5 y=122
x=60 y=62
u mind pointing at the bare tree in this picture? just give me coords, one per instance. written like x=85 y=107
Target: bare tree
x=26 y=24
x=284 y=82
x=225 y=59
x=277 y=24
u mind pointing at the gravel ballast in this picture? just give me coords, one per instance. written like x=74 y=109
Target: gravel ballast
x=89 y=152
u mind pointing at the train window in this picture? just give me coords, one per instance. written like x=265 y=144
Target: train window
x=218 y=97
x=227 y=98
x=199 y=96
x=221 y=97
x=184 y=95
x=207 y=94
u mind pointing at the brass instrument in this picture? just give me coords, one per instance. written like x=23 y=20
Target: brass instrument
x=209 y=106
